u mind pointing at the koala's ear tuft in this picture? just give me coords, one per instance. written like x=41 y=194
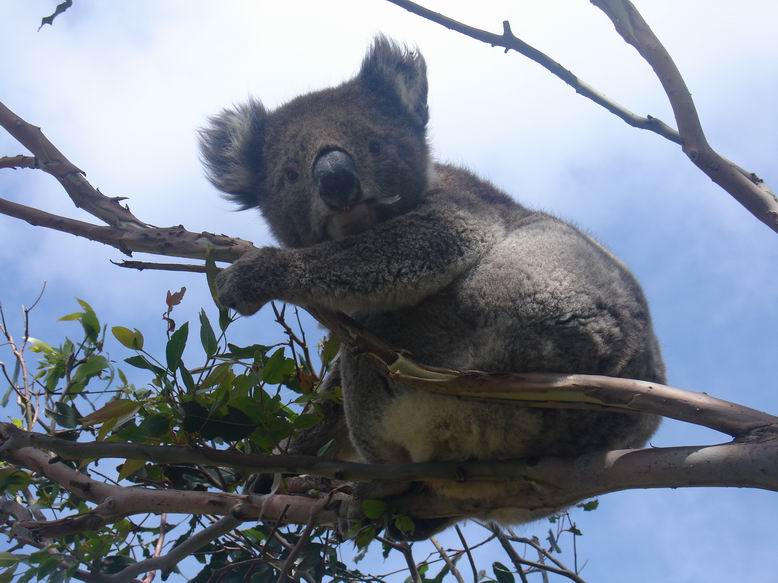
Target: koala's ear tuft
x=231 y=151
x=391 y=67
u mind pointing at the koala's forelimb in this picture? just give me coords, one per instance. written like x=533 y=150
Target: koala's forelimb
x=399 y=264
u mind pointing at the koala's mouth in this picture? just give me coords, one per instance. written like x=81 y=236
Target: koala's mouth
x=353 y=219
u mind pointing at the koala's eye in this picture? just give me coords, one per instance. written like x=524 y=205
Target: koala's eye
x=292 y=175
x=375 y=147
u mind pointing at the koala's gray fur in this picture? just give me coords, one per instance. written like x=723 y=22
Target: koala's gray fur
x=434 y=260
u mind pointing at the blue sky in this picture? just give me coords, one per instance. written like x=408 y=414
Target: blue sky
x=121 y=87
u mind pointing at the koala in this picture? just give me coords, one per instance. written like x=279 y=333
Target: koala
x=434 y=260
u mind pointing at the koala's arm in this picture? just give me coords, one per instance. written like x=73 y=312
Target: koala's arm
x=395 y=264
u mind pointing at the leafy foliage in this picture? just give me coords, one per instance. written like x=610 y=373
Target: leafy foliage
x=244 y=399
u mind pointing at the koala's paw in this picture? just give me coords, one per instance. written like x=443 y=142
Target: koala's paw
x=249 y=283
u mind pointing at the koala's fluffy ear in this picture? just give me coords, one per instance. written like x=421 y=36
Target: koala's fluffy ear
x=231 y=150
x=391 y=67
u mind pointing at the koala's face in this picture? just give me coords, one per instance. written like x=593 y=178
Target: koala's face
x=331 y=163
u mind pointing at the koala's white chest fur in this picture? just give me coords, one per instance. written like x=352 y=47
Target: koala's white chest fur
x=434 y=427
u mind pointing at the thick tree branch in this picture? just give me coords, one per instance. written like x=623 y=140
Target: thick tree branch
x=116 y=502
x=553 y=390
x=550 y=482
x=124 y=231
x=746 y=187
x=53 y=162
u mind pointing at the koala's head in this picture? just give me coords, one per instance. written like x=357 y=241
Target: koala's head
x=331 y=163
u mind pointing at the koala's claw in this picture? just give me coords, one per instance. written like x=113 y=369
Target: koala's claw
x=232 y=295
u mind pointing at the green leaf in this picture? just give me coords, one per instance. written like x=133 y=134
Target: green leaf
x=65 y=415
x=329 y=349
x=186 y=376
x=502 y=573
x=277 y=368
x=234 y=426
x=39 y=346
x=306 y=421
x=111 y=410
x=175 y=346
x=6 y=396
x=129 y=467
x=93 y=366
x=253 y=352
x=195 y=416
x=7 y=559
x=365 y=536
x=589 y=505
x=210 y=274
x=155 y=425
x=8 y=575
x=12 y=480
x=326 y=448
x=132 y=339
x=142 y=362
x=404 y=524
x=374 y=509
x=114 y=564
x=207 y=336
x=217 y=376
x=89 y=321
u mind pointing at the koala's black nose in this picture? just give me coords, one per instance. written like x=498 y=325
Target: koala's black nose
x=336 y=176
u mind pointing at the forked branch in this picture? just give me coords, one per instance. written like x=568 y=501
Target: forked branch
x=745 y=186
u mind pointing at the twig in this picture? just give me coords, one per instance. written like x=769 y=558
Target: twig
x=141 y=265
x=178 y=553
x=746 y=187
x=316 y=509
x=509 y=550
x=508 y=41
x=538 y=548
x=19 y=161
x=158 y=547
x=449 y=563
x=405 y=550
x=467 y=552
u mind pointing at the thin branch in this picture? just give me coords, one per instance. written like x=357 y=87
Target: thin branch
x=467 y=552
x=172 y=241
x=19 y=161
x=141 y=265
x=316 y=509
x=449 y=563
x=508 y=41
x=405 y=550
x=559 y=568
x=158 y=547
x=745 y=186
x=178 y=553
x=509 y=550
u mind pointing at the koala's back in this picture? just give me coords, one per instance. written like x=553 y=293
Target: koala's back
x=542 y=298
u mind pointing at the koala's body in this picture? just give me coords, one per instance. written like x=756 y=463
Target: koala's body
x=433 y=260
